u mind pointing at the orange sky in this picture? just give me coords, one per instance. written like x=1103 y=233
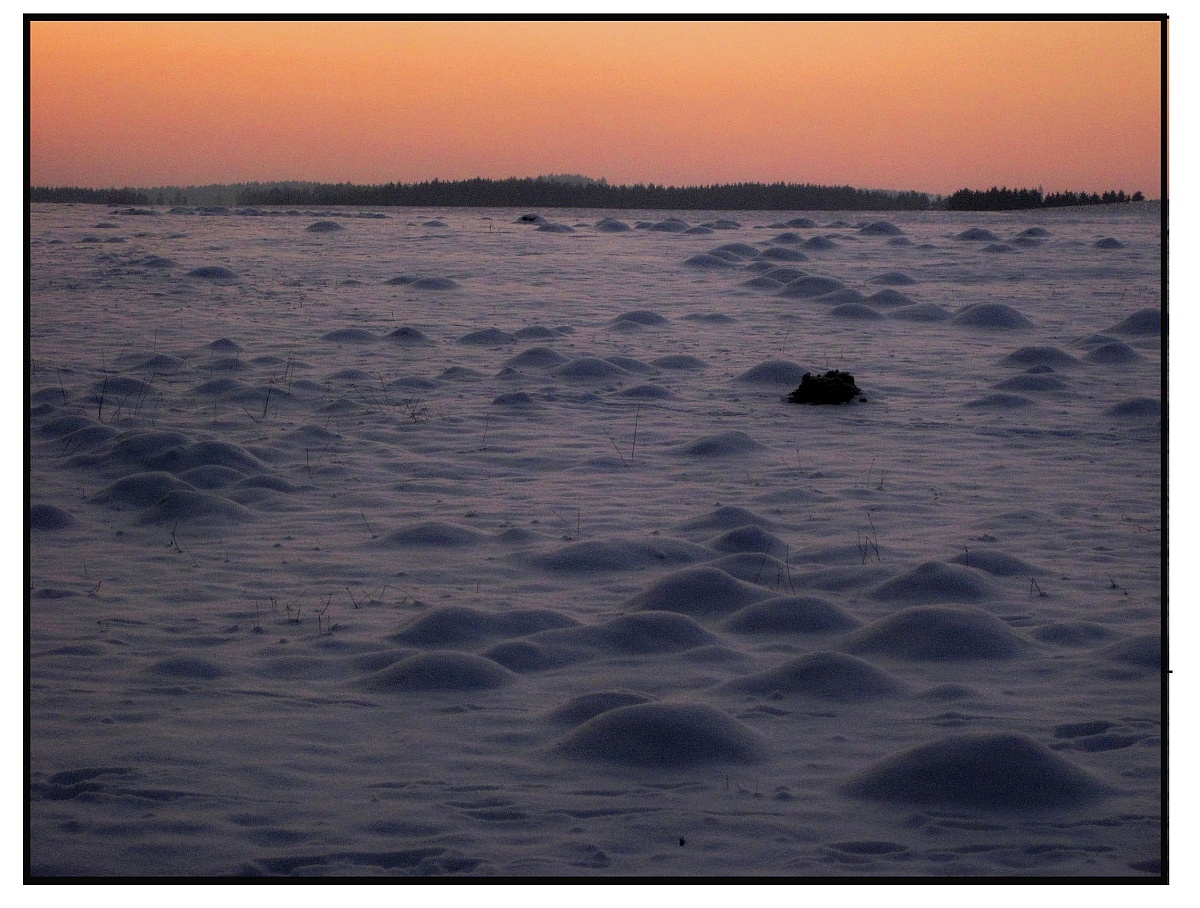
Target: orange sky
x=931 y=106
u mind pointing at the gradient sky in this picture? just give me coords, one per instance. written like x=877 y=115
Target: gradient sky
x=930 y=106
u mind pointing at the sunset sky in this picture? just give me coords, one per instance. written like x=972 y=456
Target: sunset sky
x=930 y=106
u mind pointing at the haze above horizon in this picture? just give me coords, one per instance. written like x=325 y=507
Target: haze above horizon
x=925 y=106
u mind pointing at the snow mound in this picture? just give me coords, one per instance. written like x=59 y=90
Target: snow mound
x=516 y=400
x=881 y=228
x=642 y=317
x=204 y=454
x=820 y=243
x=700 y=591
x=706 y=260
x=460 y=373
x=679 y=361
x=593 y=555
x=487 y=337
x=1027 y=357
x=536 y=358
x=791 y=615
x=612 y=225
x=409 y=336
x=893 y=279
x=773 y=372
x=811 y=285
x=435 y=283
x=579 y=709
x=216 y=273
x=1136 y=409
x=938 y=633
x=742 y=250
x=722 y=444
x=186 y=668
x=221 y=386
x=115 y=387
x=47 y=517
x=647 y=391
x=187 y=507
x=935 y=581
x=523 y=656
x=1142 y=322
x=755 y=567
x=750 y=538
x=630 y=364
x=654 y=632
x=440 y=670
x=782 y=254
x=158 y=261
x=142 y=489
x=788 y=238
x=1073 y=633
x=922 y=312
x=434 y=534
x=1036 y=382
x=670 y=225
x=663 y=736
x=762 y=283
x=353 y=376
x=998 y=564
x=212 y=476
x=845 y=295
x=89 y=438
x=1109 y=243
x=324 y=227
x=826 y=676
x=854 y=312
x=589 y=368
x=1113 y=354
x=1144 y=651
x=64 y=425
x=726 y=517
x=989 y=771
x=138 y=448
x=890 y=297
x=349 y=336
x=458 y=625
x=991 y=315
x=977 y=235
x=784 y=275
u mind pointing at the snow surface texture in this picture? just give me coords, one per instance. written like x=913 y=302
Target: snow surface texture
x=444 y=544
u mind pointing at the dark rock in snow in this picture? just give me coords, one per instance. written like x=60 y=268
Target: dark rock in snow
x=834 y=387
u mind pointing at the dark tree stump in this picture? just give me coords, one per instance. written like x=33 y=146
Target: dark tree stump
x=833 y=387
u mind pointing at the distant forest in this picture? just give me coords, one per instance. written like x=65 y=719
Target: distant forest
x=570 y=191
x=560 y=193
x=1006 y=199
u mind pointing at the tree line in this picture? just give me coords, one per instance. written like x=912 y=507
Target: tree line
x=1005 y=199
x=88 y=196
x=551 y=193
x=559 y=191
x=571 y=191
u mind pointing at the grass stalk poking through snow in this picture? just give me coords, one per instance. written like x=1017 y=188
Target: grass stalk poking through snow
x=321 y=616
x=617 y=448
x=869 y=542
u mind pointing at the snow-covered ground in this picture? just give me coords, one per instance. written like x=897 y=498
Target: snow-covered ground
x=451 y=542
